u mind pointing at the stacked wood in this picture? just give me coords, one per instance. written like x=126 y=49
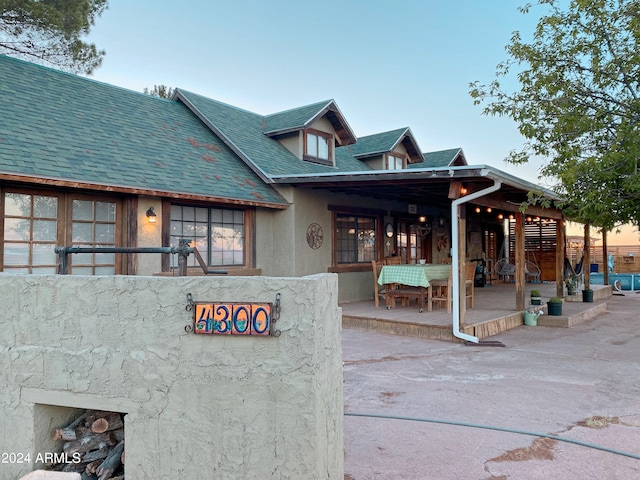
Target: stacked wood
x=93 y=446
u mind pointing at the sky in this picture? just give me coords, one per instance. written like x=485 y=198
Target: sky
x=388 y=65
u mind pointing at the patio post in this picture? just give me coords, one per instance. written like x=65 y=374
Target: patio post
x=520 y=261
x=560 y=255
x=586 y=264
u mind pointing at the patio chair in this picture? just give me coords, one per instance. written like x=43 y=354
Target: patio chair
x=379 y=292
x=531 y=272
x=441 y=292
x=393 y=260
x=470 y=282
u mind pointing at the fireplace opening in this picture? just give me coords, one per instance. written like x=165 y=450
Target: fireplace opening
x=89 y=442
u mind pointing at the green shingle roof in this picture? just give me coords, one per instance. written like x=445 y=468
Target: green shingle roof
x=59 y=126
x=244 y=132
x=441 y=158
x=377 y=143
x=294 y=119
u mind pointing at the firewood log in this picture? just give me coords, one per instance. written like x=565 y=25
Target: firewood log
x=89 y=442
x=110 y=463
x=110 y=421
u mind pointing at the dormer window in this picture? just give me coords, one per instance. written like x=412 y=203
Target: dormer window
x=318 y=147
x=396 y=161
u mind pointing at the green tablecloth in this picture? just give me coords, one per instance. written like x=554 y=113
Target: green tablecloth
x=413 y=275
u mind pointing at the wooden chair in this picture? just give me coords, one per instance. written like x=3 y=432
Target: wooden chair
x=379 y=292
x=441 y=292
x=393 y=260
x=470 y=282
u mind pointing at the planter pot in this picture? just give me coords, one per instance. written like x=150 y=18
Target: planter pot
x=536 y=300
x=530 y=319
x=587 y=296
x=554 y=309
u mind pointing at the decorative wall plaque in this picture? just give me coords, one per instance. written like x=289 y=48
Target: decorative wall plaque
x=314 y=236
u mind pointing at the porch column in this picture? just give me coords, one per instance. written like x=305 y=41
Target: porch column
x=520 y=261
x=462 y=265
x=605 y=258
x=560 y=255
x=586 y=264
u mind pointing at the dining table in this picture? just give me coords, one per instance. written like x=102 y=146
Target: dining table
x=419 y=276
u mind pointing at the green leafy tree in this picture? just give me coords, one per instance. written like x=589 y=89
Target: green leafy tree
x=161 y=91
x=578 y=104
x=50 y=31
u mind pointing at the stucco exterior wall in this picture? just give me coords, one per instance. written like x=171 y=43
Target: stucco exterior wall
x=197 y=406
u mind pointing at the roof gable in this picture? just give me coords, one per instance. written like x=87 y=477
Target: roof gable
x=386 y=142
x=65 y=129
x=453 y=157
x=299 y=118
x=243 y=132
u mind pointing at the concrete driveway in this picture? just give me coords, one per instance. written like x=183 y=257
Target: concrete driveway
x=581 y=383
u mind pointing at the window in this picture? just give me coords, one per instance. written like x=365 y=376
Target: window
x=318 y=147
x=35 y=222
x=355 y=238
x=396 y=162
x=30 y=233
x=93 y=224
x=219 y=234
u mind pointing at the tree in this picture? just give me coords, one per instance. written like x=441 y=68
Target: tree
x=578 y=104
x=50 y=31
x=161 y=91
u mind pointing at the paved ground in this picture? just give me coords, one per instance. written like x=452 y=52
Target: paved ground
x=581 y=383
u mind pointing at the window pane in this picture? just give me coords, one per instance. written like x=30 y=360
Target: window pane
x=16 y=254
x=82 y=210
x=105 y=233
x=176 y=212
x=45 y=230
x=202 y=215
x=43 y=270
x=323 y=148
x=17 y=229
x=312 y=145
x=188 y=213
x=45 y=207
x=43 y=254
x=82 y=258
x=105 y=258
x=105 y=211
x=17 y=204
x=82 y=232
x=355 y=239
x=82 y=271
x=105 y=270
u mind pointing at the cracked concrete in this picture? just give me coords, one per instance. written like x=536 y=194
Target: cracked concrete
x=580 y=383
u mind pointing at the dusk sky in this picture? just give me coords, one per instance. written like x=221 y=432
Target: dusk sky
x=386 y=64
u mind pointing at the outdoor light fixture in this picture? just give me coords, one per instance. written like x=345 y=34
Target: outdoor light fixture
x=463 y=190
x=151 y=215
x=422 y=228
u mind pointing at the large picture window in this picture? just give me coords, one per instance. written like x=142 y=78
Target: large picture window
x=219 y=234
x=355 y=238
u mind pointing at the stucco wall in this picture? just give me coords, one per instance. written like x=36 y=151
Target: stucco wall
x=197 y=406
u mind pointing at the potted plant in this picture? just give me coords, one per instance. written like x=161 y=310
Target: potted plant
x=530 y=316
x=554 y=306
x=571 y=283
x=587 y=295
x=536 y=299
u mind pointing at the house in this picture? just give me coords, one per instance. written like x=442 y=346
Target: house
x=286 y=194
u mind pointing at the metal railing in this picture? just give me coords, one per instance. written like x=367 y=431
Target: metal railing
x=183 y=250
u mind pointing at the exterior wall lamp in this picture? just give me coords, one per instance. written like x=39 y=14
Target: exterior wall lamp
x=422 y=228
x=151 y=215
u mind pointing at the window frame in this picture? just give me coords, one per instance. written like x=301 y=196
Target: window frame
x=247 y=268
x=378 y=218
x=64 y=233
x=395 y=155
x=315 y=158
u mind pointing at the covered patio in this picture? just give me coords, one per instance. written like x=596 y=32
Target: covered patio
x=493 y=312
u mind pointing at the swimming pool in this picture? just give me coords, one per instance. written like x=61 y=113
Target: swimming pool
x=625 y=281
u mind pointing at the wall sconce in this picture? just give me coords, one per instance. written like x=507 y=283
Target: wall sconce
x=477 y=209
x=489 y=210
x=463 y=190
x=500 y=216
x=151 y=215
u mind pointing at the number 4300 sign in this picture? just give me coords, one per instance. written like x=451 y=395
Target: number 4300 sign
x=233 y=319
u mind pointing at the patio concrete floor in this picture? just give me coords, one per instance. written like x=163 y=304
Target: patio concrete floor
x=580 y=383
x=493 y=312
